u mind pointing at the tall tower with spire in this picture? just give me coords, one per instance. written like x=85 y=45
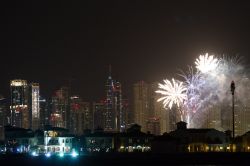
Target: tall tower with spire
x=113 y=105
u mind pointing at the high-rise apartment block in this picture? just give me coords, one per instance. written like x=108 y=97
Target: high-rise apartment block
x=80 y=115
x=4 y=116
x=60 y=108
x=241 y=118
x=87 y=116
x=44 y=112
x=146 y=109
x=34 y=106
x=98 y=115
x=141 y=104
x=20 y=116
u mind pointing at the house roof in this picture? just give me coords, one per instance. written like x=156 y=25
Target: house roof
x=164 y=138
x=199 y=130
x=50 y=128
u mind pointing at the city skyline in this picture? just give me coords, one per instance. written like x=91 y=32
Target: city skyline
x=137 y=49
x=111 y=82
x=52 y=43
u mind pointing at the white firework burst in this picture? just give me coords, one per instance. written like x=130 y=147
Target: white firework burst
x=173 y=93
x=206 y=63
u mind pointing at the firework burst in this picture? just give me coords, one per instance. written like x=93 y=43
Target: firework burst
x=173 y=93
x=206 y=63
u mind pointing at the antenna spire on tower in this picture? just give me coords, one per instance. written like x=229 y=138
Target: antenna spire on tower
x=110 y=70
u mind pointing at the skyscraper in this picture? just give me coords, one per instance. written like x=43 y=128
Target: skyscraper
x=87 y=116
x=125 y=115
x=149 y=113
x=241 y=118
x=113 y=105
x=44 y=112
x=34 y=106
x=98 y=115
x=157 y=111
x=118 y=111
x=109 y=123
x=141 y=104
x=76 y=115
x=20 y=116
x=3 y=116
x=60 y=108
x=213 y=118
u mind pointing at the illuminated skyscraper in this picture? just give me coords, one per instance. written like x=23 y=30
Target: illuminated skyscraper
x=109 y=113
x=60 y=108
x=77 y=115
x=213 y=118
x=88 y=115
x=81 y=116
x=98 y=115
x=44 y=112
x=3 y=116
x=241 y=118
x=157 y=111
x=118 y=111
x=141 y=104
x=125 y=115
x=149 y=113
x=34 y=106
x=113 y=111
x=20 y=116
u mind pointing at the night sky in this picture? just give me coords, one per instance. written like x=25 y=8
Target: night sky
x=52 y=42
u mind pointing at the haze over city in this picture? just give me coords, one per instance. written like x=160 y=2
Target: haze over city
x=52 y=42
x=124 y=82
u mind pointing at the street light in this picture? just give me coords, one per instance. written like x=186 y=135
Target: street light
x=233 y=90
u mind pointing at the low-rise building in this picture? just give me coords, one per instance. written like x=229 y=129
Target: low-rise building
x=99 y=141
x=164 y=144
x=243 y=142
x=134 y=140
x=200 y=140
x=193 y=140
x=19 y=140
x=50 y=140
x=55 y=140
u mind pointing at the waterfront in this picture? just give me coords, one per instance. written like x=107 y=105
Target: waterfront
x=131 y=159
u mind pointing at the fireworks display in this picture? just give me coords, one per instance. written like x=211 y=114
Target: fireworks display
x=206 y=88
x=174 y=93
x=206 y=63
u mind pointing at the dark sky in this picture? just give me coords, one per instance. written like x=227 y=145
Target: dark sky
x=50 y=42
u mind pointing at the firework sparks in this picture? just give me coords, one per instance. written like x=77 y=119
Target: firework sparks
x=206 y=63
x=193 y=83
x=173 y=93
x=206 y=88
